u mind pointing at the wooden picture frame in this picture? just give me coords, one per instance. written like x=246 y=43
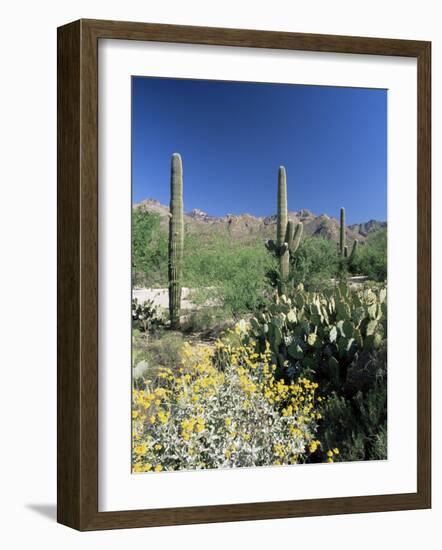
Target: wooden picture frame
x=78 y=274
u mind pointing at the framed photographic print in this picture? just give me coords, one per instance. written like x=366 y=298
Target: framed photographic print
x=243 y=275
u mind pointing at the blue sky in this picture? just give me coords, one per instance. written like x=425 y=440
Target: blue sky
x=233 y=136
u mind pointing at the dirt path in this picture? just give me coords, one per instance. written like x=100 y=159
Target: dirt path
x=160 y=297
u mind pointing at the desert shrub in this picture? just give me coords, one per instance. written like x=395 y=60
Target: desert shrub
x=162 y=350
x=314 y=264
x=206 y=321
x=229 y=273
x=371 y=258
x=139 y=346
x=149 y=355
x=379 y=444
x=149 y=250
x=357 y=425
x=207 y=417
x=166 y=350
x=339 y=425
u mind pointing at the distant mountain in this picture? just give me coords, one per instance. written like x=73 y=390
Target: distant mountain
x=364 y=229
x=245 y=226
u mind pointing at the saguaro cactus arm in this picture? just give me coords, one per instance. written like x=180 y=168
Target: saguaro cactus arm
x=294 y=244
x=289 y=234
x=354 y=250
x=176 y=239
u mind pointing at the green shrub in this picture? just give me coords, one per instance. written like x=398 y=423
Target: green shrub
x=149 y=250
x=207 y=321
x=314 y=264
x=149 y=356
x=228 y=273
x=378 y=450
x=371 y=258
x=357 y=425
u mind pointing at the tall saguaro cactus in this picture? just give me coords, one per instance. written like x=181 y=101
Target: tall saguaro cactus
x=176 y=239
x=282 y=206
x=281 y=229
x=343 y=248
x=288 y=236
x=342 y=234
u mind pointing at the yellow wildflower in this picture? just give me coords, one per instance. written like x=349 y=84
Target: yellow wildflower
x=140 y=449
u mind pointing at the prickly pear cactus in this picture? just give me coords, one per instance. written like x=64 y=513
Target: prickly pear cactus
x=176 y=239
x=335 y=327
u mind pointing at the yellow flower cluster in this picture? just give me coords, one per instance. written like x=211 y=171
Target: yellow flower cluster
x=188 y=426
x=331 y=454
x=220 y=407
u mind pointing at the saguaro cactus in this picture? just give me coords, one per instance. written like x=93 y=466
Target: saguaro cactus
x=288 y=236
x=281 y=229
x=176 y=239
x=342 y=247
x=342 y=234
x=281 y=226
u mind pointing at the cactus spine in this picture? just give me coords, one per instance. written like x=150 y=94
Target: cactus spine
x=176 y=239
x=288 y=236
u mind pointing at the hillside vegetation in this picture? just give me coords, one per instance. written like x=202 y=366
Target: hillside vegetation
x=215 y=258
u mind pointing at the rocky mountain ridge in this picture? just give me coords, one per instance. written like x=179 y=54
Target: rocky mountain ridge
x=248 y=226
